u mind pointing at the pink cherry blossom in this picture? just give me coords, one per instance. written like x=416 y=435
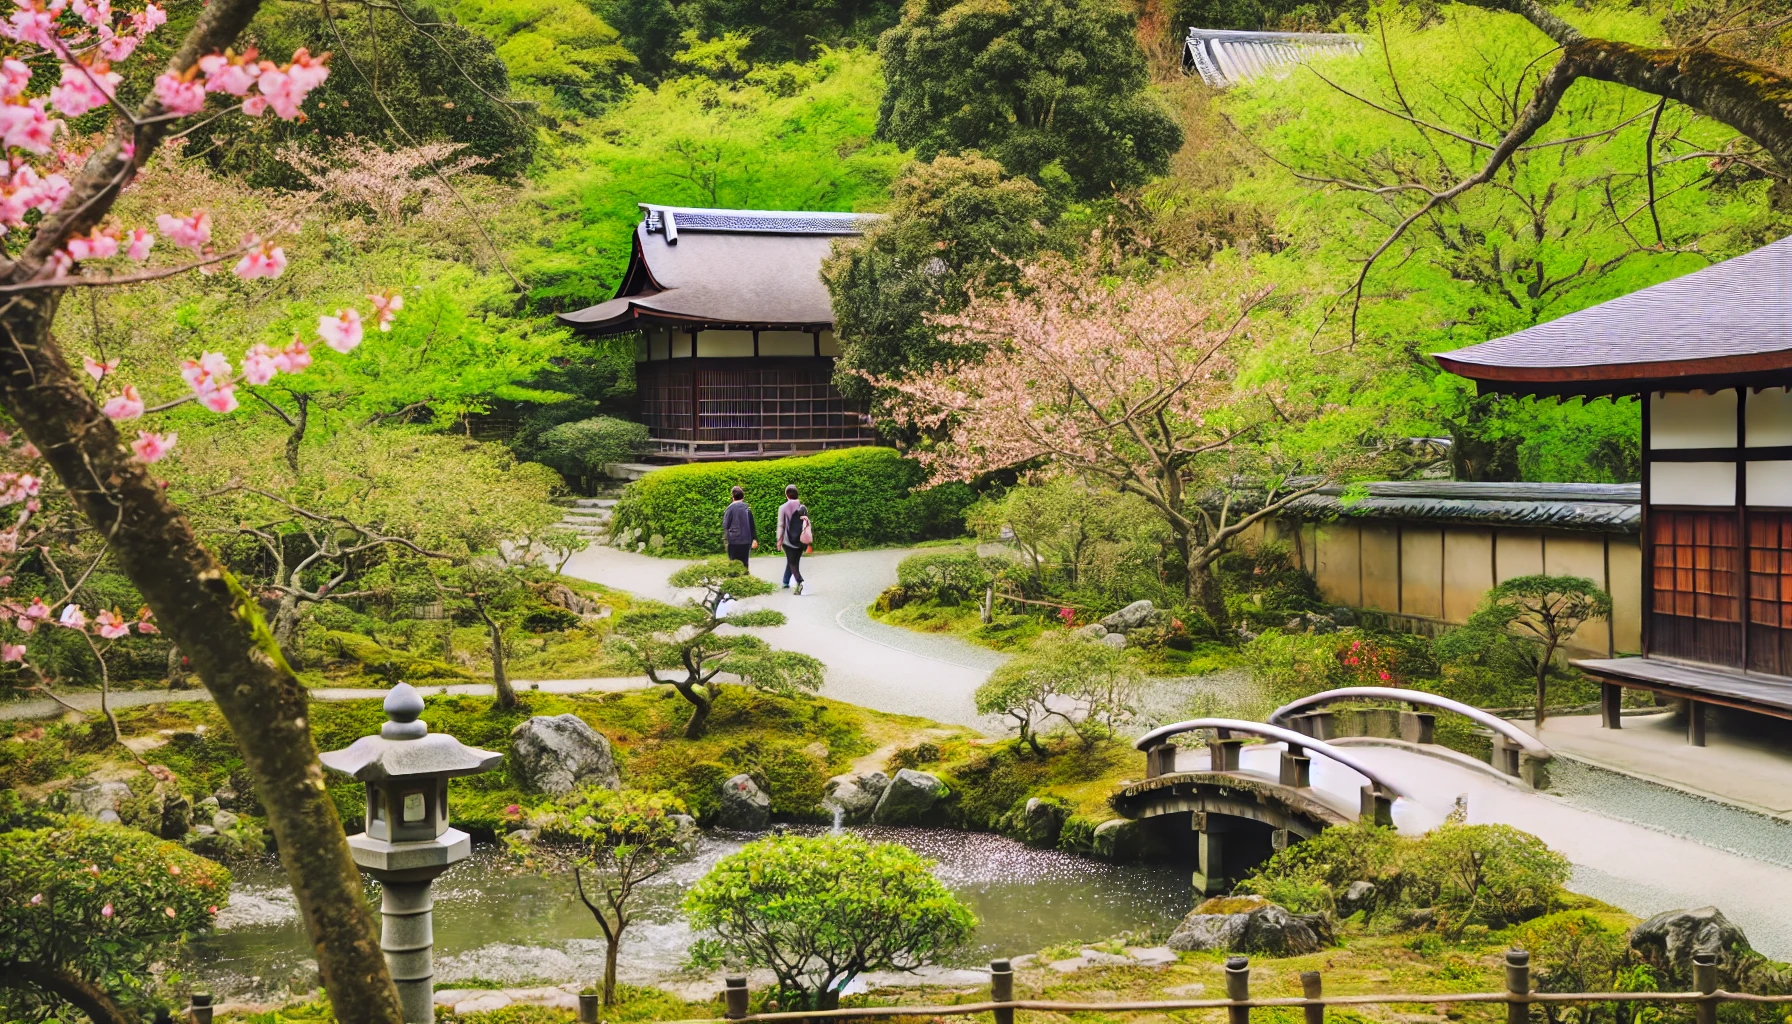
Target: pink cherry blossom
x=281 y=93
x=386 y=305
x=26 y=126
x=153 y=447
x=255 y=105
x=192 y=231
x=140 y=243
x=265 y=260
x=148 y=20
x=98 y=244
x=106 y=911
x=14 y=75
x=83 y=88
x=259 y=365
x=115 y=47
x=219 y=400
x=127 y=406
x=308 y=71
x=111 y=624
x=97 y=369
x=73 y=617
x=179 y=95
x=226 y=72
x=13 y=652
x=144 y=614
x=215 y=365
x=294 y=357
x=96 y=14
x=38 y=609
x=26 y=625
x=31 y=23
x=51 y=191
x=341 y=332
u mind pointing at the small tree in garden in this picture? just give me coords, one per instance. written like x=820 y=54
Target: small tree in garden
x=681 y=648
x=1087 y=685
x=1127 y=383
x=485 y=585
x=87 y=911
x=1492 y=875
x=1528 y=619
x=612 y=843
x=820 y=911
x=581 y=449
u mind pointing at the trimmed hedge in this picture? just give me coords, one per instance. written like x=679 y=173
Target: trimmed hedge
x=857 y=497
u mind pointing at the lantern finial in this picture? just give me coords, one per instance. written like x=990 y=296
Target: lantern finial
x=403 y=705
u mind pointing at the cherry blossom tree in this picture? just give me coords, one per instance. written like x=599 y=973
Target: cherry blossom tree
x=56 y=203
x=1129 y=382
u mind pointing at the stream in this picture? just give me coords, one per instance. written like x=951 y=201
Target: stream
x=499 y=926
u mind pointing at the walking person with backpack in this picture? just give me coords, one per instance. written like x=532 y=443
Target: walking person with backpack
x=738 y=532
x=794 y=534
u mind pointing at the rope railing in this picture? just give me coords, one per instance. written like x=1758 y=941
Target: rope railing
x=1239 y=1003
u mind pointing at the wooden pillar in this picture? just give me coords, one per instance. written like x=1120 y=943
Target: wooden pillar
x=1377 y=806
x=1223 y=754
x=1695 y=722
x=1611 y=703
x=1160 y=760
x=1297 y=768
x=696 y=395
x=1211 y=850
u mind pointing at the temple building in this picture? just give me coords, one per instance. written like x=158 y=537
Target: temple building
x=1710 y=356
x=734 y=332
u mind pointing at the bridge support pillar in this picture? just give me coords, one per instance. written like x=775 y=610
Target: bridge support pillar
x=1377 y=807
x=1222 y=754
x=1210 y=879
x=1160 y=760
x=1297 y=769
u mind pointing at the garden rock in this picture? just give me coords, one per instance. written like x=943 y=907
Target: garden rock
x=557 y=754
x=99 y=800
x=908 y=798
x=1042 y=821
x=1668 y=940
x=1251 y=924
x=1199 y=932
x=1132 y=616
x=1357 y=896
x=224 y=821
x=1115 y=640
x=562 y=596
x=177 y=816
x=856 y=795
x=227 y=797
x=1093 y=631
x=744 y=805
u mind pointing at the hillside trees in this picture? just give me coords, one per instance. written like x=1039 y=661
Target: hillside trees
x=1054 y=90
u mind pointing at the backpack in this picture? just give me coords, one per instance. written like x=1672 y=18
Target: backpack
x=798 y=532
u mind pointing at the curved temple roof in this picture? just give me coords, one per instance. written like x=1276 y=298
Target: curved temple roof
x=746 y=268
x=1224 y=57
x=1734 y=317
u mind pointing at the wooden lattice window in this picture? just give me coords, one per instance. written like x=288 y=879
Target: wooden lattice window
x=1695 y=564
x=1770 y=569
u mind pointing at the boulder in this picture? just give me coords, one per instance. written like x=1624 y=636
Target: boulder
x=98 y=800
x=560 y=753
x=562 y=596
x=855 y=795
x=227 y=797
x=224 y=821
x=1093 y=631
x=1668 y=940
x=177 y=816
x=1200 y=932
x=1041 y=822
x=1117 y=839
x=744 y=805
x=1115 y=640
x=1251 y=924
x=1132 y=616
x=1356 y=896
x=908 y=798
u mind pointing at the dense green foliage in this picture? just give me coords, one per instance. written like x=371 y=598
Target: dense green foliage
x=857 y=497
x=1052 y=89
x=953 y=224
x=1090 y=687
x=948 y=576
x=93 y=908
x=1526 y=621
x=585 y=447
x=819 y=911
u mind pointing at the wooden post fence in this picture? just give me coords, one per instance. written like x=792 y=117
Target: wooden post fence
x=1518 y=983
x=1238 y=989
x=1313 y=987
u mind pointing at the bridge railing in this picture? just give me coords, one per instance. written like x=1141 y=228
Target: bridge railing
x=1238 y=1004
x=1296 y=771
x=1515 y=752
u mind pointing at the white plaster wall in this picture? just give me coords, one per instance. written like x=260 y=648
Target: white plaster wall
x=1692 y=419
x=1769 y=418
x=1692 y=483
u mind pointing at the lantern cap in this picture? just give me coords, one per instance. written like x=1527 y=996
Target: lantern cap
x=405 y=749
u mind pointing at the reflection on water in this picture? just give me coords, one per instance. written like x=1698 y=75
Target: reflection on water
x=522 y=929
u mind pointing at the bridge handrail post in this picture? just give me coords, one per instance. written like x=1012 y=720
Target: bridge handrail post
x=201 y=1008
x=735 y=995
x=1518 y=983
x=1238 y=988
x=1313 y=987
x=1001 y=989
x=1704 y=978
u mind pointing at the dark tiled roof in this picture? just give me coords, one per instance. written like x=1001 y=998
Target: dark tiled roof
x=1606 y=508
x=1732 y=317
x=724 y=267
x=1225 y=57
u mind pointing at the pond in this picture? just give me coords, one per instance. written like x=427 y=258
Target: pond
x=520 y=930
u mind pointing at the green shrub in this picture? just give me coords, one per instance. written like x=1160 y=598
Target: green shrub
x=585 y=447
x=1484 y=874
x=1308 y=876
x=949 y=577
x=1295 y=665
x=857 y=497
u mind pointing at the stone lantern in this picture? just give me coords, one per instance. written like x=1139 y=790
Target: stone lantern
x=408 y=841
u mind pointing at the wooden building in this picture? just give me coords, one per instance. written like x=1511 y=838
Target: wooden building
x=734 y=351
x=1419 y=556
x=1710 y=354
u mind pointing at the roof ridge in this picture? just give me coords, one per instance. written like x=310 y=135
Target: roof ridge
x=670 y=220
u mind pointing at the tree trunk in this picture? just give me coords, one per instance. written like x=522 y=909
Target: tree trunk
x=286 y=626
x=1204 y=590
x=209 y=616
x=71 y=988
x=612 y=946
x=500 y=679
x=1543 y=663
x=700 y=702
x=297 y=437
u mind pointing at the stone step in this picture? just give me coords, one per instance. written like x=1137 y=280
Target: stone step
x=593 y=502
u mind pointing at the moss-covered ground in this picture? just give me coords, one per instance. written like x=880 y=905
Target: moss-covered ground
x=1013 y=631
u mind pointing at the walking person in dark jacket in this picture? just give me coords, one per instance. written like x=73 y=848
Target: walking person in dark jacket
x=737 y=528
x=793 y=519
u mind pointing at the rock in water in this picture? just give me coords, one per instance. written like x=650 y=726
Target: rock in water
x=856 y=795
x=744 y=805
x=908 y=798
x=98 y=800
x=558 y=754
x=1668 y=940
x=1042 y=821
x=1132 y=616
